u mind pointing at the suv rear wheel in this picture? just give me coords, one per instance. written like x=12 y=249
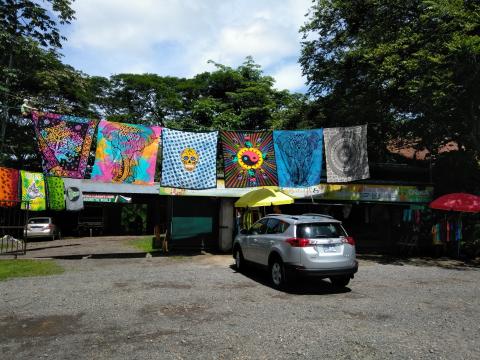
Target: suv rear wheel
x=277 y=273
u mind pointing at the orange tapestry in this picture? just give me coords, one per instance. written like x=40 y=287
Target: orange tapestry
x=8 y=187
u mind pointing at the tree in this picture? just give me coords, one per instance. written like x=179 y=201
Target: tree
x=410 y=69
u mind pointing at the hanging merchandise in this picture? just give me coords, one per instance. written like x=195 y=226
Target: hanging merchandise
x=74 y=195
x=8 y=187
x=346 y=153
x=55 y=193
x=126 y=153
x=33 y=191
x=299 y=157
x=189 y=159
x=249 y=159
x=64 y=142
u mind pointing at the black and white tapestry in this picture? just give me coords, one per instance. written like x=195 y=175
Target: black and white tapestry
x=346 y=154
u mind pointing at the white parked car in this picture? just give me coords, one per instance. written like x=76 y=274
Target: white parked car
x=305 y=245
x=42 y=227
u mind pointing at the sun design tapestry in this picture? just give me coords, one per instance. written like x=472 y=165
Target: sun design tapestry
x=8 y=187
x=56 y=193
x=249 y=159
x=33 y=191
x=126 y=153
x=299 y=157
x=346 y=153
x=64 y=142
x=189 y=159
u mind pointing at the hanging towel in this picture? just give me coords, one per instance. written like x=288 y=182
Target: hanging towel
x=64 y=142
x=249 y=159
x=299 y=157
x=56 y=193
x=346 y=153
x=189 y=159
x=126 y=153
x=33 y=191
x=8 y=187
x=74 y=195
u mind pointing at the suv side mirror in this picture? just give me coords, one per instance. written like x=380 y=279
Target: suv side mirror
x=244 y=232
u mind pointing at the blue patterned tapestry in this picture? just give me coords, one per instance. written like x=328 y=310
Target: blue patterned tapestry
x=299 y=157
x=189 y=159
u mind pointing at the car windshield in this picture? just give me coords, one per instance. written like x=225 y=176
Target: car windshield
x=39 y=221
x=320 y=230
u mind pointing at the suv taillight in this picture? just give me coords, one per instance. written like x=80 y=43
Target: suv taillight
x=349 y=240
x=298 y=242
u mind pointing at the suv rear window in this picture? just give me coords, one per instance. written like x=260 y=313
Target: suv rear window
x=320 y=230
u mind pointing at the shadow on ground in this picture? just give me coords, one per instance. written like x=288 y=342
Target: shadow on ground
x=447 y=263
x=297 y=286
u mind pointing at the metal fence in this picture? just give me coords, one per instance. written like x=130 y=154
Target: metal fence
x=13 y=225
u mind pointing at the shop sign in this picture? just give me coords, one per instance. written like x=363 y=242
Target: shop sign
x=340 y=192
x=106 y=198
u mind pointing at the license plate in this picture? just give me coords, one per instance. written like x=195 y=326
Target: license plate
x=330 y=248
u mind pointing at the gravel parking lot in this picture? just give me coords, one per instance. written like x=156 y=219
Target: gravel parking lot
x=198 y=307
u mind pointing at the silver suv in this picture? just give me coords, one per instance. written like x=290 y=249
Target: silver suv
x=309 y=244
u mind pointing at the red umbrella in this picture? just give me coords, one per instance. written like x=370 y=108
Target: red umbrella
x=460 y=202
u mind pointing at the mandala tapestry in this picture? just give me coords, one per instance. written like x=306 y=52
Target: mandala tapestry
x=346 y=153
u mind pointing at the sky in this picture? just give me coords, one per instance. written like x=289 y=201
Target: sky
x=178 y=37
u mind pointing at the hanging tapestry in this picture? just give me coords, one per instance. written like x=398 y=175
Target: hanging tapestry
x=126 y=153
x=33 y=191
x=299 y=157
x=73 y=194
x=8 y=187
x=346 y=153
x=189 y=159
x=56 y=193
x=249 y=159
x=64 y=142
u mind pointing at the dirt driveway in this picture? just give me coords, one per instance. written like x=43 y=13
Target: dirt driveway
x=185 y=307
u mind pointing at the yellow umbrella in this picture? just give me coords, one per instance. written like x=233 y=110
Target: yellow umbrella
x=264 y=197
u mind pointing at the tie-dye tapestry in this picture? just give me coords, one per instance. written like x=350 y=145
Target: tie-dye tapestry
x=33 y=191
x=56 y=193
x=249 y=159
x=8 y=187
x=189 y=159
x=299 y=157
x=126 y=153
x=346 y=153
x=64 y=142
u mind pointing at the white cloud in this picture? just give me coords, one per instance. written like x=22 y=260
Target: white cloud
x=178 y=37
x=289 y=77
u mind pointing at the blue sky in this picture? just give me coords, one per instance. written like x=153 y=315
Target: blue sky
x=178 y=37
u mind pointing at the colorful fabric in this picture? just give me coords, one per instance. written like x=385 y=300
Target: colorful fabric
x=126 y=153
x=56 y=193
x=189 y=159
x=8 y=187
x=299 y=157
x=64 y=142
x=249 y=159
x=346 y=153
x=73 y=194
x=33 y=191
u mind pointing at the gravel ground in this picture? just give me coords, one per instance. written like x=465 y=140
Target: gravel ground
x=199 y=307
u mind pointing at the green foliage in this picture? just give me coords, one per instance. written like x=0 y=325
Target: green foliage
x=25 y=268
x=409 y=68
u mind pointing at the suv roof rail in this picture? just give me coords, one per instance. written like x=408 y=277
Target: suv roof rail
x=294 y=217
x=321 y=215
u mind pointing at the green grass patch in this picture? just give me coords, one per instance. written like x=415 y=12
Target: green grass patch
x=23 y=268
x=144 y=244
